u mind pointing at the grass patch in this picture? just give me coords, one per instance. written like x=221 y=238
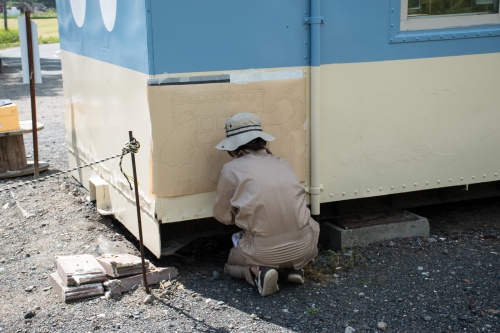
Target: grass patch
x=312 y=311
x=48 y=40
x=47 y=32
x=49 y=14
x=9 y=36
x=345 y=260
x=330 y=262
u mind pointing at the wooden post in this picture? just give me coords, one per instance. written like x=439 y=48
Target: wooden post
x=5 y=15
x=32 y=91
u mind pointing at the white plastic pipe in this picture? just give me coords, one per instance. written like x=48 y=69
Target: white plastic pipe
x=315 y=187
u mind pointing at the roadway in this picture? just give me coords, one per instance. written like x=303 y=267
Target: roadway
x=50 y=61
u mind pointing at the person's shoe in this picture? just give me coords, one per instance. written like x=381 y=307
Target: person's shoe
x=267 y=281
x=296 y=276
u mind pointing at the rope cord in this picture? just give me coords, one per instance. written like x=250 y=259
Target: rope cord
x=130 y=147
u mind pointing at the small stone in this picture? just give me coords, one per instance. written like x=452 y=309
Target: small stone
x=432 y=240
x=361 y=295
x=349 y=329
x=101 y=315
x=420 y=268
x=149 y=299
x=36 y=307
x=220 y=303
x=29 y=289
x=427 y=318
x=29 y=314
x=381 y=325
x=215 y=275
x=285 y=310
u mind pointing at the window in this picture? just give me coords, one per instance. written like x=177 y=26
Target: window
x=419 y=20
x=439 y=14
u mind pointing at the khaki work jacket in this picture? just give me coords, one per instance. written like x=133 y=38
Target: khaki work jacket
x=261 y=194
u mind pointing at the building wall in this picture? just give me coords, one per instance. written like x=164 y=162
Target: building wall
x=399 y=111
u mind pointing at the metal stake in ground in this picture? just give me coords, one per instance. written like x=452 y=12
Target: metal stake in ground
x=32 y=91
x=139 y=223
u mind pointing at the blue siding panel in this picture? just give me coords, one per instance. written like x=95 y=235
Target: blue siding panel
x=201 y=35
x=177 y=36
x=359 y=31
x=125 y=45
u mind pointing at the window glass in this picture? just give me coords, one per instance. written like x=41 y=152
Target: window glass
x=445 y=14
x=451 y=7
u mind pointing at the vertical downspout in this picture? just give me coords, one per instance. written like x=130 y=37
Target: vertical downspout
x=315 y=188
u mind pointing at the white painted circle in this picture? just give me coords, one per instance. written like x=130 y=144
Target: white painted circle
x=108 y=12
x=78 y=8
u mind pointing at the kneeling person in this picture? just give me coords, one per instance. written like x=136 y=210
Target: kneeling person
x=260 y=193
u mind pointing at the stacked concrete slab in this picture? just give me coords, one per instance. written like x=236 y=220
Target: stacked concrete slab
x=117 y=265
x=84 y=276
x=126 y=271
x=77 y=277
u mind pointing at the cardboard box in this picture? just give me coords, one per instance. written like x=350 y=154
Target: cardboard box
x=9 y=118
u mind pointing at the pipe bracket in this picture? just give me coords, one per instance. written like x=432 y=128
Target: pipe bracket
x=314 y=190
x=313 y=20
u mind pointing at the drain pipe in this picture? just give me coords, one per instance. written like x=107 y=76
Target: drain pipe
x=315 y=187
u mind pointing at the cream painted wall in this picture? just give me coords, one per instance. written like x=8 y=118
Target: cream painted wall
x=399 y=126
x=386 y=127
x=103 y=102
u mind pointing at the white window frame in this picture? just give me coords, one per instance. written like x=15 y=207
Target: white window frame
x=444 y=22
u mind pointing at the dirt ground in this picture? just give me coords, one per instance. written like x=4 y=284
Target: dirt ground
x=448 y=282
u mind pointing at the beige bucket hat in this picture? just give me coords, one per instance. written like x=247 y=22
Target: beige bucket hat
x=241 y=129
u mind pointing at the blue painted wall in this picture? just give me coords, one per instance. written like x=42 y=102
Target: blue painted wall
x=359 y=31
x=126 y=45
x=204 y=35
x=176 y=36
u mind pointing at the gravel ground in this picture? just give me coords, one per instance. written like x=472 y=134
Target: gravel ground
x=449 y=282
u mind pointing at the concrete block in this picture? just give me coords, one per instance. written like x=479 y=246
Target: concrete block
x=68 y=294
x=155 y=275
x=336 y=237
x=80 y=269
x=99 y=192
x=119 y=265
